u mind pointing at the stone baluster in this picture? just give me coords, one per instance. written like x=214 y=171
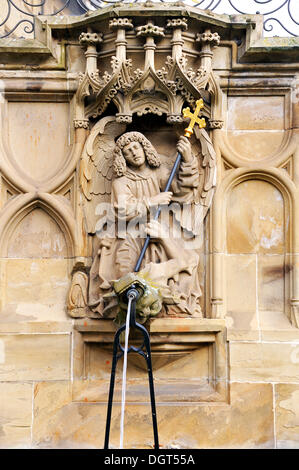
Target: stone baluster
x=177 y=25
x=90 y=41
x=150 y=31
x=208 y=41
x=121 y=25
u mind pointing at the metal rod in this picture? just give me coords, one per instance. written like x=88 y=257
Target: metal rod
x=148 y=359
x=157 y=214
x=152 y=391
x=147 y=356
x=125 y=366
x=111 y=388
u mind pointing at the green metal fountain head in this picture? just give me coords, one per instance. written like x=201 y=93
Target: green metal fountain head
x=149 y=302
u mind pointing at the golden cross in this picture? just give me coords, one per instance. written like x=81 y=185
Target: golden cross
x=194 y=118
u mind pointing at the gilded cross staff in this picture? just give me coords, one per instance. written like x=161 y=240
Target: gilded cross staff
x=194 y=119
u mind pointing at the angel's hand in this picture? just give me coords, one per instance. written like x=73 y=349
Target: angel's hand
x=105 y=243
x=157 y=230
x=161 y=199
x=184 y=147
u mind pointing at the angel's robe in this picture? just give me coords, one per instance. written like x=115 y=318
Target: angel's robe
x=130 y=199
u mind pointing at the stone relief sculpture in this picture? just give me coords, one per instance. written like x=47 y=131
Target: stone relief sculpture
x=137 y=189
x=123 y=174
x=123 y=183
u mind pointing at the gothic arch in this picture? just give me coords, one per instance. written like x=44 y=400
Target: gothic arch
x=20 y=206
x=288 y=191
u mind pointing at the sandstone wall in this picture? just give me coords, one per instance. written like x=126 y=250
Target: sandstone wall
x=251 y=269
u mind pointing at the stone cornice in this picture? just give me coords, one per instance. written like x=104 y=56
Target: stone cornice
x=40 y=52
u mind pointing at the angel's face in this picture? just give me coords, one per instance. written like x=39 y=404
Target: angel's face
x=134 y=154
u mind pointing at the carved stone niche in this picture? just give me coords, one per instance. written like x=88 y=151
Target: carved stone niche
x=179 y=338
x=189 y=358
x=142 y=69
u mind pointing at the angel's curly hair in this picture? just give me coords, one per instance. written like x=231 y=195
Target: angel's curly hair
x=119 y=162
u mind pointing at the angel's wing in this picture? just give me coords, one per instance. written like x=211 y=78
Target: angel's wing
x=209 y=168
x=96 y=168
x=192 y=216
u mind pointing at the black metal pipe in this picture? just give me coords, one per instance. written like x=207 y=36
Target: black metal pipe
x=157 y=214
x=115 y=358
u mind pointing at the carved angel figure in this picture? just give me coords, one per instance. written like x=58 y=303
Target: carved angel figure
x=137 y=188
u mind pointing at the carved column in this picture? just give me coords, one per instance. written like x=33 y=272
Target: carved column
x=177 y=42
x=208 y=40
x=121 y=25
x=90 y=40
x=150 y=31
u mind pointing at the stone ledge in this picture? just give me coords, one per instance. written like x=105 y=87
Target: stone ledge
x=182 y=325
x=36 y=327
x=30 y=53
x=161 y=330
x=194 y=347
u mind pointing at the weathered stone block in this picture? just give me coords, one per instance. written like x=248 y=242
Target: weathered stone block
x=275 y=326
x=271 y=283
x=34 y=357
x=59 y=423
x=287 y=415
x=255 y=219
x=241 y=278
x=222 y=58
x=36 y=327
x=256 y=112
x=34 y=289
x=15 y=415
x=246 y=422
x=255 y=145
x=38 y=136
x=271 y=362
